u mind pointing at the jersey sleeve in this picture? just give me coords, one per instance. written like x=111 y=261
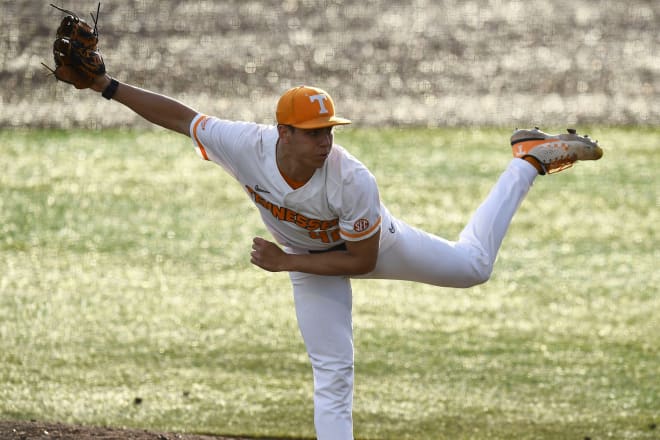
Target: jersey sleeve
x=360 y=215
x=223 y=142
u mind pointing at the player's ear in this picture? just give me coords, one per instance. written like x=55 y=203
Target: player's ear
x=285 y=131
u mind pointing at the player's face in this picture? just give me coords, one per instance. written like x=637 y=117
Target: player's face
x=311 y=146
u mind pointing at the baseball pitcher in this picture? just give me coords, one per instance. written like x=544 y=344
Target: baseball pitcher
x=324 y=211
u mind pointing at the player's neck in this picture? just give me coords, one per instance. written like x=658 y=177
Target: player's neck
x=291 y=168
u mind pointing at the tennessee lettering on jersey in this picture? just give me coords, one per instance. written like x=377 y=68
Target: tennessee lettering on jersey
x=324 y=230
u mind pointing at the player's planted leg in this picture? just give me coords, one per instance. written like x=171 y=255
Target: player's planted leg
x=323 y=308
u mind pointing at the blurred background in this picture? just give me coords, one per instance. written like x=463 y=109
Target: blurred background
x=415 y=62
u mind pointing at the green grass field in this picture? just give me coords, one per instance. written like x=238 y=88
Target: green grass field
x=124 y=275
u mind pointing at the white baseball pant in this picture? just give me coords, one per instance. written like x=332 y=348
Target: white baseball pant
x=323 y=303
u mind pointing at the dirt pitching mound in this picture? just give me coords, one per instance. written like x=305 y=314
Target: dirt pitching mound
x=34 y=430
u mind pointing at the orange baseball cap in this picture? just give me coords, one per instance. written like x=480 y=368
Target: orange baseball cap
x=307 y=107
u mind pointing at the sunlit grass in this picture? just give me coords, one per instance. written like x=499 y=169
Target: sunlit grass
x=124 y=274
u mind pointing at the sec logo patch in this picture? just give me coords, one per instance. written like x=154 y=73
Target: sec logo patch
x=361 y=225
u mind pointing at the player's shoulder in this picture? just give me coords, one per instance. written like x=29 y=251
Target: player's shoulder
x=230 y=132
x=214 y=123
x=345 y=167
x=341 y=156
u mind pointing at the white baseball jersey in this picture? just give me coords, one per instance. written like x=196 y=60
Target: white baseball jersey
x=339 y=203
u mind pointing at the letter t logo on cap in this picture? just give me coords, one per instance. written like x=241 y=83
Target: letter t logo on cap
x=320 y=99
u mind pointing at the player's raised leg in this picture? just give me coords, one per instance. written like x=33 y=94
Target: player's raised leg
x=550 y=154
x=419 y=256
x=323 y=308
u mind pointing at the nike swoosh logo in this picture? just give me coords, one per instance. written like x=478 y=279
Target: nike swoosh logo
x=261 y=190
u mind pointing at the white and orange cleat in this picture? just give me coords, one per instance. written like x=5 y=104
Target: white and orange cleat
x=554 y=153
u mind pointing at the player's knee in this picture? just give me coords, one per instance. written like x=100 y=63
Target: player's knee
x=333 y=400
x=484 y=274
x=334 y=384
x=481 y=277
x=479 y=274
x=474 y=266
x=340 y=379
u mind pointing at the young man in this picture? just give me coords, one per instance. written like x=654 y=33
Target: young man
x=323 y=208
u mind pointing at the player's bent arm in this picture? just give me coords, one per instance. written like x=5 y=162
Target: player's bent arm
x=158 y=109
x=359 y=258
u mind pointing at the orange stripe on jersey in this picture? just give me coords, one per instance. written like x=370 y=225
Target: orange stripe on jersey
x=363 y=233
x=200 y=147
x=294 y=184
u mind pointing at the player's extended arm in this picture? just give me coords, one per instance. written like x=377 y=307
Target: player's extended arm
x=79 y=63
x=358 y=258
x=158 y=109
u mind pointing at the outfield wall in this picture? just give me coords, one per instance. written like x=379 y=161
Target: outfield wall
x=421 y=62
